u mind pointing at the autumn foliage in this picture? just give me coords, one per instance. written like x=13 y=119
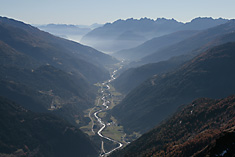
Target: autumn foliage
x=193 y=131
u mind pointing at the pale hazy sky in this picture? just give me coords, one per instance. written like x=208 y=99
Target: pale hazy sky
x=102 y=11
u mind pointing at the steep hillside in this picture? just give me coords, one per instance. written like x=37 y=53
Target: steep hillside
x=152 y=45
x=24 y=133
x=190 y=44
x=11 y=57
x=222 y=146
x=48 y=49
x=45 y=73
x=46 y=78
x=205 y=127
x=133 y=77
x=207 y=75
x=47 y=88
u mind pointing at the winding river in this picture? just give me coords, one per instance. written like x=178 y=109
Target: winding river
x=102 y=123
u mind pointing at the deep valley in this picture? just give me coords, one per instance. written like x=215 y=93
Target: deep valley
x=166 y=88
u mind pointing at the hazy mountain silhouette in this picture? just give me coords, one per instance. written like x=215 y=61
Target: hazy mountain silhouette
x=72 y=32
x=207 y=75
x=190 y=44
x=104 y=38
x=107 y=38
x=64 y=29
x=151 y=46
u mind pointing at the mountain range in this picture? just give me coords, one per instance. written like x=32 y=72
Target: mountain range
x=72 y=32
x=124 y=34
x=133 y=77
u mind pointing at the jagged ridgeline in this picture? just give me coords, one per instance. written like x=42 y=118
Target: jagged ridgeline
x=126 y=34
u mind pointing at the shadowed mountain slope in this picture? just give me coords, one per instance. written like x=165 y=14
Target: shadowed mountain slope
x=190 y=44
x=24 y=133
x=48 y=49
x=133 y=77
x=207 y=75
x=151 y=46
x=45 y=73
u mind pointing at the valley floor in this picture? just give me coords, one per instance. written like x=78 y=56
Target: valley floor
x=102 y=123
